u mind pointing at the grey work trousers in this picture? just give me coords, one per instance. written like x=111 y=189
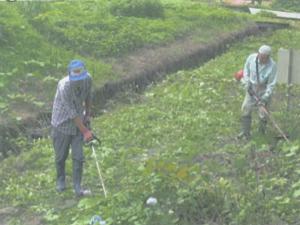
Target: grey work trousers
x=61 y=144
x=250 y=104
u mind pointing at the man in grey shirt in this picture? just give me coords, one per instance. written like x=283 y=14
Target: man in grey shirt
x=71 y=111
x=260 y=75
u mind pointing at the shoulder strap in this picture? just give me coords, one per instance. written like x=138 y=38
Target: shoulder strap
x=257 y=73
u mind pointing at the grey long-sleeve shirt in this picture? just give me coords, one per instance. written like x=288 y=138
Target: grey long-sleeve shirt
x=69 y=103
x=267 y=74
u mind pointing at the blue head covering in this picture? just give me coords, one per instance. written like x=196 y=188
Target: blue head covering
x=77 y=65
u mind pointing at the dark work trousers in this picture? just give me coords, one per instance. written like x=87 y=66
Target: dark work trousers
x=62 y=143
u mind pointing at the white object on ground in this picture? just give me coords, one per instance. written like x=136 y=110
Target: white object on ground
x=151 y=201
x=86 y=192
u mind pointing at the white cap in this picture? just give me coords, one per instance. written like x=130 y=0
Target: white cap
x=265 y=49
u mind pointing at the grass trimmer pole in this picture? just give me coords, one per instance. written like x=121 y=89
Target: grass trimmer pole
x=98 y=167
x=271 y=118
x=275 y=124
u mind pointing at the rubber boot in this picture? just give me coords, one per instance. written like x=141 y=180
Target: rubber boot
x=246 y=126
x=262 y=126
x=60 y=177
x=77 y=174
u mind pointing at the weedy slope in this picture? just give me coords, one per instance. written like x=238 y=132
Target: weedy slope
x=176 y=143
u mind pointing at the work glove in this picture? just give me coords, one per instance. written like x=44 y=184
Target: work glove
x=262 y=101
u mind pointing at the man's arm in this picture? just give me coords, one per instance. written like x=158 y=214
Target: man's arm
x=246 y=78
x=88 y=103
x=271 y=83
x=87 y=134
x=83 y=126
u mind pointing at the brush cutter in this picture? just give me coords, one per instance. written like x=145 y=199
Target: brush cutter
x=266 y=111
x=92 y=144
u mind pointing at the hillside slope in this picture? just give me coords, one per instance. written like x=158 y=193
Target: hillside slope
x=176 y=143
x=38 y=39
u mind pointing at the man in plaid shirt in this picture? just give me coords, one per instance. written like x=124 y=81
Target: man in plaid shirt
x=71 y=111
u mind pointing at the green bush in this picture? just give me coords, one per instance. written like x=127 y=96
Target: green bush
x=293 y=5
x=137 y=8
x=267 y=14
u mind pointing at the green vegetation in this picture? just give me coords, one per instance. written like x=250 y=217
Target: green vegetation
x=264 y=14
x=38 y=39
x=292 y=5
x=31 y=67
x=103 y=34
x=137 y=8
x=175 y=143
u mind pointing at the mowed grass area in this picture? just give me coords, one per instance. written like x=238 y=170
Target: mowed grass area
x=176 y=143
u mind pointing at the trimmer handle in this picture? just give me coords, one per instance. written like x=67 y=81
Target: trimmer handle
x=253 y=95
x=94 y=140
x=97 y=139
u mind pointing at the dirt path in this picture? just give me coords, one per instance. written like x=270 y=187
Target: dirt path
x=146 y=59
x=146 y=66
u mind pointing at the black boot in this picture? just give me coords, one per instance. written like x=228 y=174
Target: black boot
x=60 y=177
x=246 y=127
x=77 y=173
x=262 y=126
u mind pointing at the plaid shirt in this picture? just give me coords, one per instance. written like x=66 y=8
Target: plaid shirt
x=68 y=103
